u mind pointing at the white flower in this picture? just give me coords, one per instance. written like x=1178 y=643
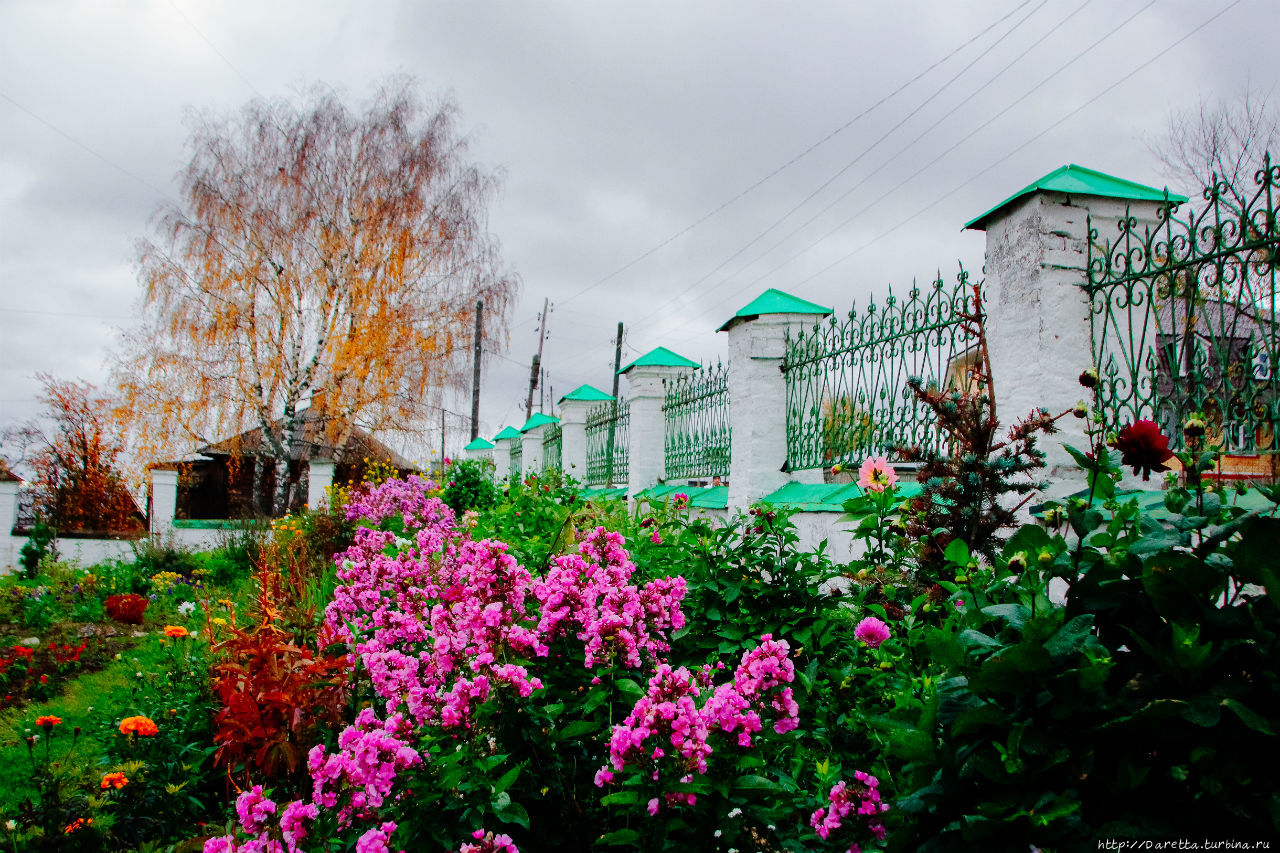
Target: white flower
x=186 y=608
x=11 y=825
x=736 y=813
x=717 y=833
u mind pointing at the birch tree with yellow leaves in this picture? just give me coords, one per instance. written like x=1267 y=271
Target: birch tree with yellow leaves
x=321 y=260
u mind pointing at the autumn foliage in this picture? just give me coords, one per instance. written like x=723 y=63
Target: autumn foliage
x=77 y=455
x=321 y=258
x=279 y=681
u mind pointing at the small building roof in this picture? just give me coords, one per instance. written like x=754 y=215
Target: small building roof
x=1078 y=180
x=314 y=440
x=538 y=419
x=774 y=301
x=478 y=443
x=507 y=432
x=660 y=357
x=587 y=394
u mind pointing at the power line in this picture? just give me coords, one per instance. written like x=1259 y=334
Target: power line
x=948 y=151
x=797 y=158
x=1158 y=55
x=850 y=164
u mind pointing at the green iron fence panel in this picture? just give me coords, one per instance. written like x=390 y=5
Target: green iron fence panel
x=698 y=434
x=847 y=394
x=1182 y=316
x=551 y=447
x=517 y=459
x=607 y=443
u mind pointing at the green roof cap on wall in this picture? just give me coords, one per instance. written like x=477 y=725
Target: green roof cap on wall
x=1082 y=181
x=479 y=444
x=774 y=301
x=507 y=432
x=660 y=357
x=587 y=393
x=538 y=419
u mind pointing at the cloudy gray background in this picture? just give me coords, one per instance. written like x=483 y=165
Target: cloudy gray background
x=665 y=161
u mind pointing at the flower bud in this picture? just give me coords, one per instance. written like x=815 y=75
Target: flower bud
x=1081 y=409
x=1018 y=562
x=1193 y=426
x=1089 y=378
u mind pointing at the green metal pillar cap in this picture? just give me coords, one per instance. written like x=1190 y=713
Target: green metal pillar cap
x=1077 y=180
x=660 y=357
x=774 y=301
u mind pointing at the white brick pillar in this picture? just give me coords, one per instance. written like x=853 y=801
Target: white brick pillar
x=319 y=479
x=502 y=459
x=164 y=500
x=531 y=444
x=1038 y=314
x=8 y=506
x=758 y=407
x=573 y=437
x=646 y=453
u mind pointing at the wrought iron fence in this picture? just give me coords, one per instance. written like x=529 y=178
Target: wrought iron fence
x=698 y=434
x=551 y=447
x=1183 y=316
x=607 y=442
x=847 y=394
x=517 y=459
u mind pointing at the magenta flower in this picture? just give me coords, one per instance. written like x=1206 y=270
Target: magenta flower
x=876 y=474
x=871 y=631
x=680 y=500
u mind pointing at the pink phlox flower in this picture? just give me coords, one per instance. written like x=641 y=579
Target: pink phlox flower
x=861 y=799
x=489 y=843
x=254 y=810
x=375 y=840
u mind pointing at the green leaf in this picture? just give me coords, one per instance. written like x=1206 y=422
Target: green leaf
x=755 y=783
x=1070 y=637
x=513 y=813
x=579 y=728
x=958 y=552
x=507 y=778
x=628 y=687
x=620 y=837
x=1249 y=717
x=972 y=639
x=621 y=798
x=1015 y=614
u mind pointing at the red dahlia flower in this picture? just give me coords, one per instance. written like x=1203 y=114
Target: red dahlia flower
x=1142 y=446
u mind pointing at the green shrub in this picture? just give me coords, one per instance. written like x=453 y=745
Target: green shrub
x=41 y=544
x=469 y=485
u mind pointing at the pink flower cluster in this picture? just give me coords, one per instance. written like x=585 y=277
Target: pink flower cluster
x=871 y=631
x=669 y=715
x=370 y=755
x=590 y=594
x=439 y=622
x=405 y=498
x=862 y=799
x=489 y=843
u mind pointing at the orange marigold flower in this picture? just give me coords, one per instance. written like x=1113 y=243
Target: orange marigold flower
x=48 y=721
x=77 y=824
x=141 y=726
x=175 y=631
x=115 y=780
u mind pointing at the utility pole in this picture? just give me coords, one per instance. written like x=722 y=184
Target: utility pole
x=537 y=362
x=613 y=422
x=475 y=374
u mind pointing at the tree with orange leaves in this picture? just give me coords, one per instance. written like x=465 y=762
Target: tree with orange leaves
x=76 y=452
x=324 y=263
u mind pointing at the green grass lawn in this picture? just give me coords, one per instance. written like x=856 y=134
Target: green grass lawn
x=93 y=701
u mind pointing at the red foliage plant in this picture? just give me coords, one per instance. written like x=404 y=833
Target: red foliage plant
x=278 y=682
x=128 y=608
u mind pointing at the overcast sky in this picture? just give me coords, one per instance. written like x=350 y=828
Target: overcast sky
x=665 y=161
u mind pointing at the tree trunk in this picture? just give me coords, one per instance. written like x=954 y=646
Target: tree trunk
x=258 y=502
x=282 y=488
